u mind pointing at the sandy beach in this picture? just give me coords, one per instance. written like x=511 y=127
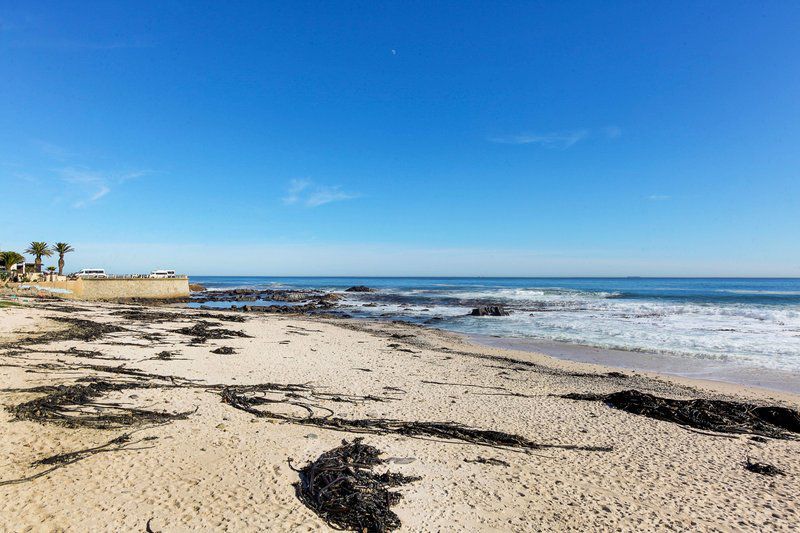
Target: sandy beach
x=213 y=466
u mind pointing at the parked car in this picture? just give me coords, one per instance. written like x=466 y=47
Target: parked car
x=91 y=273
x=162 y=274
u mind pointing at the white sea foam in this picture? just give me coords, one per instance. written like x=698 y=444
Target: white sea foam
x=767 y=293
x=754 y=335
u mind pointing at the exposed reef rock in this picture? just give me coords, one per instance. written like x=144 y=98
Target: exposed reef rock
x=489 y=310
x=359 y=288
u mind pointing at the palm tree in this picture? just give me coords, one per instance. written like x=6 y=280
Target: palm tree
x=39 y=250
x=10 y=259
x=62 y=248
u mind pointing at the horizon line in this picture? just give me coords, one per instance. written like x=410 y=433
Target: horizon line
x=484 y=277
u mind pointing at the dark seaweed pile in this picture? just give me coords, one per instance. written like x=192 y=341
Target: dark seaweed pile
x=224 y=350
x=76 y=406
x=77 y=329
x=341 y=487
x=721 y=416
x=204 y=330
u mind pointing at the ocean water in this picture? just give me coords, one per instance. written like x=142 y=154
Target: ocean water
x=750 y=323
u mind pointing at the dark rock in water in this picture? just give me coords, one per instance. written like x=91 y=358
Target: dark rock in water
x=372 y=304
x=359 y=288
x=287 y=309
x=254 y=295
x=489 y=310
x=196 y=287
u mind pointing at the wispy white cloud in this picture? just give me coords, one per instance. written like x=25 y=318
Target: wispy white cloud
x=659 y=197
x=65 y=174
x=326 y=195
x=307 y=193
x=559 y=140
x=296 y=187
x=94 y=185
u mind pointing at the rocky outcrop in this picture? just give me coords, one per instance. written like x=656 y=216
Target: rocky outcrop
x=254 y=295
x=285 y=309
x=359 y=288
x=489 y=310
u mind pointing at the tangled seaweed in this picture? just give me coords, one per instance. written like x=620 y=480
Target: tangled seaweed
x=70 y=352
x=721 y=416
x=488 y=461
x=224 y=350
x=204 y=330
x=78 y=329
x=342 y=489
x=74 y=406
x=241 y=398
x=123 y=442
x=224 y=317
x=143 y=315
x=164 y=355
x=765 y=469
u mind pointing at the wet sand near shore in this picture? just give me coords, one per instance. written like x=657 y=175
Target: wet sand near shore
x=147 y=423
x=686 y=367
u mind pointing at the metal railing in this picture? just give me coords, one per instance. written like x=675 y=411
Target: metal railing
x=128 y=276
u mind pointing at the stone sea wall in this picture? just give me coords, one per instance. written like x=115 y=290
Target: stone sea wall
x=116 y=288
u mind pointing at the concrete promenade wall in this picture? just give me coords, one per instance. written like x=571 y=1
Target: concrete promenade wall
x=117 y=288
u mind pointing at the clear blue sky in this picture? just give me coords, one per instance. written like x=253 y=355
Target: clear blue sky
x=452 y=138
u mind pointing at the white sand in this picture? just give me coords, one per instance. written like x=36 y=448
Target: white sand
x=223 y=469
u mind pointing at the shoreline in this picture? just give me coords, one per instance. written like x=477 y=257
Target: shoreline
x=744 y=333
x=700 y=370
x=199 y=462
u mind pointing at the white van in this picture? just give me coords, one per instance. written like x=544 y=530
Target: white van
x=91 y=273
x=162 y=274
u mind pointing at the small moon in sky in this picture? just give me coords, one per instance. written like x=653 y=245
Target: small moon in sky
x=394 y=52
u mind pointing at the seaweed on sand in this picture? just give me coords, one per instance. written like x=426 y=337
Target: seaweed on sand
x=242 y=398
x=298 y=397
x=77 y=329
x=149 y=316
x=71 y=352
x=160 y=316
x=341 y=487
x=720 y=416
x=488 y=461
x=204 y=330
x=164 y=355
x=224 y=350
x=123 y=442
x=225 y=317
x=763 y=468
x=76 y=405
